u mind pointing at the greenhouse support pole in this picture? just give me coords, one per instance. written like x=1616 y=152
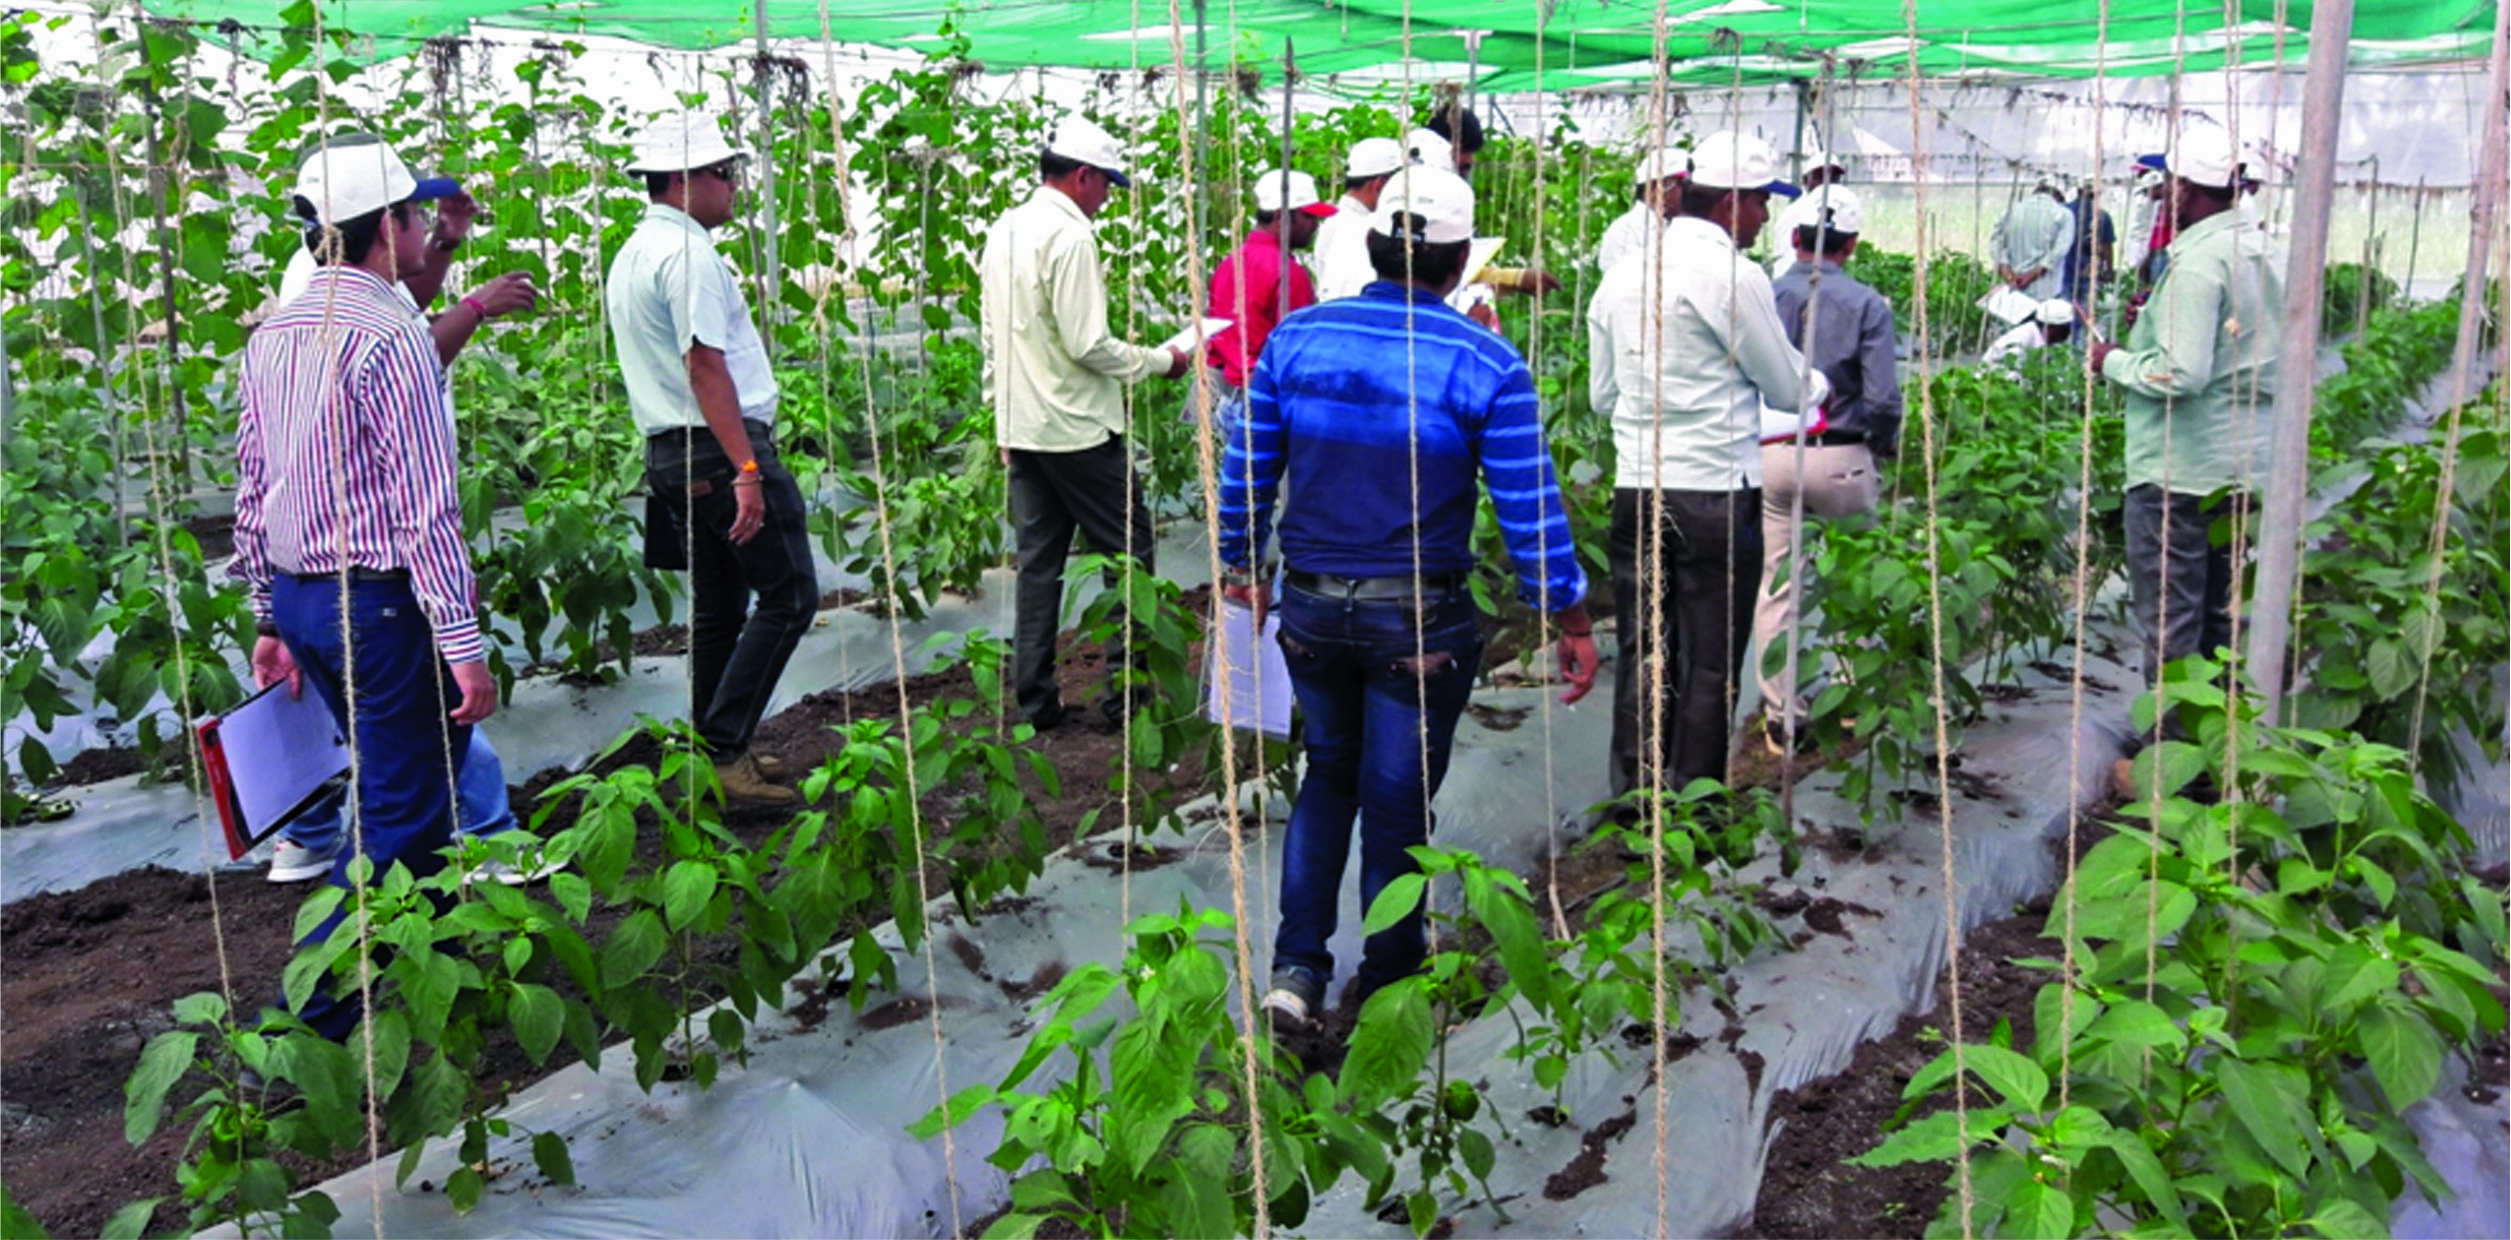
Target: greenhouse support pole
x=1796 y=154
x=2415 y=238
x=2306 y=272
x=2371 y=229
x=2490 y=170
x=771 y=297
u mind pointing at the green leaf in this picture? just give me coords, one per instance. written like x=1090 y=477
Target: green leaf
x=2392 y=670
x=2040 y=1212
x=632 y=948
x=1390 y=1045
x=2134 y=1022
x=2146 y=1170
x=963 y=1104
x=686 y=889
x=538 y=1016
x=2268 y=1099
x=128 y=1223
x=2353 y=975
x=2020 y=1081
x=2343 y=1218
x=1149 y=1094
x=1395 y=902
x=1476 y=1149
x=168 y=1056
x=549 y=1154
x=464 y=1188
x=389 y=1031
x=2404 y=1052
x=201 y=1009
x=430 y=981
x=16 y=1222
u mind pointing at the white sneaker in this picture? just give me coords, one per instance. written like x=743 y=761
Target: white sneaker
x=292 y=862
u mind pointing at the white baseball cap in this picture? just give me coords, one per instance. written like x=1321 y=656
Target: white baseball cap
x=1816 y=158
x=1080 y=140
x=1374 y=157
x=1430 y=150
x=1732 y=160
x=683 y=142
x=1847 y=211
x=1289 y=191
x=2056 y=312
x=358 y=175
x=1440 y=199
x=2205 y=157
x=1663 y=163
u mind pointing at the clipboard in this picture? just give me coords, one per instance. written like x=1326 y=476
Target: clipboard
x=269 y=761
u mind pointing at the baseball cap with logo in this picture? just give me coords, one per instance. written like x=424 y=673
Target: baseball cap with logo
x=1374 y=157
x=683 y=142
x=357 y=174
x=1431 y=205
x=1737 y=161
x=1290 y=191
x=1430 y=150
x=1847 y=211
x=1080 y=140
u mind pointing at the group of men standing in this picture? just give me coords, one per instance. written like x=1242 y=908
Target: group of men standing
x=1738 y=408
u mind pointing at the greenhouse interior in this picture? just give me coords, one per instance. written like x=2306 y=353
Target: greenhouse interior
x=730 y=805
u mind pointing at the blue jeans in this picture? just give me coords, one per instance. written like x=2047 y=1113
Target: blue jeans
x=481 y=809
x=1374 y=681
x=405 y=742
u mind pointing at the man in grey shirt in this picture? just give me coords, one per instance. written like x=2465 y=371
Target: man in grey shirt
x=1829 y=472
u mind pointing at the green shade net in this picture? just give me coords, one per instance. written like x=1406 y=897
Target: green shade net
x=1514 y=44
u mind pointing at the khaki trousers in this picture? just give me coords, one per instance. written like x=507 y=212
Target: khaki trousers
x=1835 y=480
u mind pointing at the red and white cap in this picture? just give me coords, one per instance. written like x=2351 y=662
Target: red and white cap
x=1289 y=191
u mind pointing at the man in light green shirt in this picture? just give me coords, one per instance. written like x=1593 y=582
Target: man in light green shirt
x=2199 y=373
x=1055 y=378
x=2030 y=242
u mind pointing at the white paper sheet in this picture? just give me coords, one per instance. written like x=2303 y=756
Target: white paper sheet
x=279 y=752
x=1258 y=681
x=2010 y=304
x=1187 y=340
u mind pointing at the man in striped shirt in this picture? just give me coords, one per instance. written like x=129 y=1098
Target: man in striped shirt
x=348 y=532
x=1378 y=624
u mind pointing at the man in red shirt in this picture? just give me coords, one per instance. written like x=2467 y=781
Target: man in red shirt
x=1260 y=284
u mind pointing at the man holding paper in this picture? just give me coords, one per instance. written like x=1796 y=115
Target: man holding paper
x=1685 y=347
x=1387 y=407
x=1055 y=378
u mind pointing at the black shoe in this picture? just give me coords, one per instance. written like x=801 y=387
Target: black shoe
x=1294 y=1001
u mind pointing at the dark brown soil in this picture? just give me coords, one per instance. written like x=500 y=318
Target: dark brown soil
x=216 y=536
x=1586 y=1170
x=95 y=766
x=1807 y=1188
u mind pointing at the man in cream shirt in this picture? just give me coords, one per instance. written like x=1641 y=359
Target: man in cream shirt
x=1056 y=380
x=1685 y=347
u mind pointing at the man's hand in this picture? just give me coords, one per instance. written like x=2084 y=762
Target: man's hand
x=2100 y=352
x=1483 y=313
x=454 y=216
x=749 y=508
x=506 y=294
x=1179 y=362
x=1577 y=653
x=1256 y=595
x=479 y=691
x=1534 y=282
x=273 y=663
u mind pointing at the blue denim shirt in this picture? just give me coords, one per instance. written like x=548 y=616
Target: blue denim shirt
x=1330 y=403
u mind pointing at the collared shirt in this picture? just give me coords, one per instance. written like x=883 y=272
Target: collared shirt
x=1253 y=275
x=1329 y=401
x=1342 y=251
x=300 y=276
x=2035 y=233
x=1053 y=375
x=1852 y=346
x=2202 y=361
x=669 y=289
x=1800 y=210
x=1686 y=404
x=1626 y=235
x=344 y=453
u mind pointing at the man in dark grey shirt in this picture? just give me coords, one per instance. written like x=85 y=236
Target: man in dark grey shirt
x=1830 y=472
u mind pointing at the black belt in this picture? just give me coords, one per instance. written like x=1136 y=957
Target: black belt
x=1373 y=589
x=1834 y=439
x=354 y=574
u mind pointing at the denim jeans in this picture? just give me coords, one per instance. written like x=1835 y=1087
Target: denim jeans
x=481 y=810
x=1698 y=609
x=1375 y=681
x=405 y=743
x=736 y=654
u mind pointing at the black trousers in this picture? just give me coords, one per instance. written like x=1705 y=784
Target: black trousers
x=1052 y=495
x=1696 y=607
x=737 y=653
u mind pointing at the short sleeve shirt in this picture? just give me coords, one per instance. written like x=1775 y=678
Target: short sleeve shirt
x=669 y=290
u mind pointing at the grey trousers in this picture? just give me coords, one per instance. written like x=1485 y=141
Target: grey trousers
x=2181 y=587
x=1052 y=495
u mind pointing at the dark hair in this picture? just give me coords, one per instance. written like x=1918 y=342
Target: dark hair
x=1054 y=167
x=1700 y=200
x=1840 y=241
x=2220 y=195
x=1264 y=219
x=1433 y=263
x=1357 y=184
x=1457 y=123
x=658 y=184
x=357 y=236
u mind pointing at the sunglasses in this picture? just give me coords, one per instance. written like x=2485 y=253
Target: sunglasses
x=729 y=174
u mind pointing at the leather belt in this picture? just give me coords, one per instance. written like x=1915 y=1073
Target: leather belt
x=1835 y=439
x=355 y=574
x=1373 y=589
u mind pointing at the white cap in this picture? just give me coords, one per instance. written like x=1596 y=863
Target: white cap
x=1815 y=157
x=1438 y=196
x=2205 y=157
x=349 y=178
x=1430 y=150
x=1080 y=140
x=1289 y=191
x=1847 y=212
x=1737 y=161
x=1662 y=163
x=2056 y=312
x=1374 y=157
x=683 y=142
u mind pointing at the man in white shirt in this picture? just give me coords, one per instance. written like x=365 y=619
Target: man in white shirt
x=1658 y=178
x=702 y=389
x=1342 y=243
x=1685 y=348
x=2053 y=323
x=1055 y=377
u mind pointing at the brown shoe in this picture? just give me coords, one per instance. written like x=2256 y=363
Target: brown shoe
x=746 y=788
x=2123 y=779
x=769 y=764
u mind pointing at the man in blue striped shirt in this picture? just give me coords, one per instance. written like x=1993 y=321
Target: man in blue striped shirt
x=1378 y=624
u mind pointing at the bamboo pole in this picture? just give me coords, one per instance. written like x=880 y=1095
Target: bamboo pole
x=2288 y=467
x=772 y=294
x=2490 y=170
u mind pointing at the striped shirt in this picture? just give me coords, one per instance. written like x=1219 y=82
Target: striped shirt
x=344 y=453
x=1328 y=402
